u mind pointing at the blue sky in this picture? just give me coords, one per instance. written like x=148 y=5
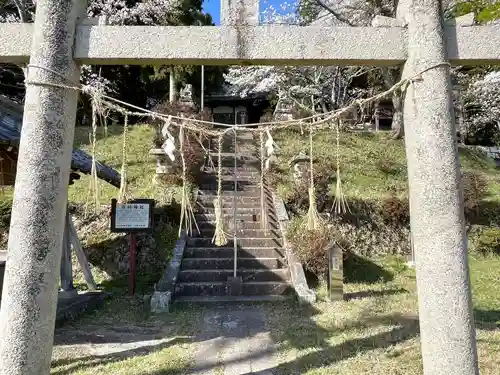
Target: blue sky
x=213 y=7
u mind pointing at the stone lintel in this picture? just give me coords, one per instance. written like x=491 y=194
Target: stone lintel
x=271 y=45
x=227 y=45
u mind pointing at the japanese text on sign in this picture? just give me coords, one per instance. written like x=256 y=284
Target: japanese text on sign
x=132 y=216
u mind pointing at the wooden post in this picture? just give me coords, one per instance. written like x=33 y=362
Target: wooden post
x=80 y=254
x=335 y=273
x=133 y=244
x=66 y=264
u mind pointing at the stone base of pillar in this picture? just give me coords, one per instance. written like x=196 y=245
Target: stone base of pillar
x=160 y=302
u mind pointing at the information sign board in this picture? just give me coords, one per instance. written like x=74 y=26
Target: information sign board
x=133 y=216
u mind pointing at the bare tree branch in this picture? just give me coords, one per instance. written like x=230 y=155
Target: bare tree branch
x=337 y=15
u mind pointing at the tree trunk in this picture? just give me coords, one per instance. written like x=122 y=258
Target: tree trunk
x=397 y=126
x=391 y=77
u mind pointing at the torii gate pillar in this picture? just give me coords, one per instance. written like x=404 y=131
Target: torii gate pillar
x=29 y=297
x=436 y=200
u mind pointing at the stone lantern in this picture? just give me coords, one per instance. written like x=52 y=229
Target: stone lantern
x=300 y=166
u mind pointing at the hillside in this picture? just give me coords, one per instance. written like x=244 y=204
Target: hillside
x=373 y=172
x=374 y=183
x=372 y=165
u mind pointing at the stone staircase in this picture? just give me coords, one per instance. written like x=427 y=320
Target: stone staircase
x=261 y=261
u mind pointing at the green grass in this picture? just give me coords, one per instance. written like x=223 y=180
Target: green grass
x=141 y=165
x=157 y=345
x=371 y=164
x=377 y=333
x=141 y=173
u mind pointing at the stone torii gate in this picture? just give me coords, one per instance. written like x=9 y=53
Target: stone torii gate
x=61 y=40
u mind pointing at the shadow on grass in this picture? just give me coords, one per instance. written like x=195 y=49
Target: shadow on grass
x=71 y=365
x=299 y=330
x=358 y=269
x=373 y=293
x=488 y=320
x=402 y=329
x=475 y=158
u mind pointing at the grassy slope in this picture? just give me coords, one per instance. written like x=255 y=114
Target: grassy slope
x=371 y=164
x=140 y=172
x=376 y=335
x=141 y=165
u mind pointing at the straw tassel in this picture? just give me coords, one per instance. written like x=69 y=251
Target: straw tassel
x=220 y=236
x=187 y=213
x=122 y=197
x=340 y=205
x=314 y=221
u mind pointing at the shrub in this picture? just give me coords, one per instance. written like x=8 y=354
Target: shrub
x=311 y=246
x=487 y=241
x=298 y=198
x=193 y=151
x=395 y=211
x=475 y=190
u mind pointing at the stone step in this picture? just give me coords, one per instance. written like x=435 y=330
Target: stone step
x=204 y=217
x=227 y=200
x=220 y=300
x=210 y=225
x=221 y=288
x=240 y=162
x=228 y=252
x=228 y=217
x=228 y=196
x=242 y=210
x=241 y=242
x=229 y=203
x=229 y=171
x=230 y=155
x=230 y=186
x=272 y=231
x=253 y=194
x=243 y=179
x=280 y=275
x=228 y=263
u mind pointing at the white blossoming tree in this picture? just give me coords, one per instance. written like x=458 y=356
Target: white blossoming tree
x=310 y=88
x=139 y=85
x=116 y=12
x=481 y=123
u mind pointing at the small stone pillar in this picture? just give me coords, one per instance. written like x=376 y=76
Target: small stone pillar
x=300 y=166
x=335 y=273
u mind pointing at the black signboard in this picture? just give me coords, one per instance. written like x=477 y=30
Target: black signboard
x=132 y=217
